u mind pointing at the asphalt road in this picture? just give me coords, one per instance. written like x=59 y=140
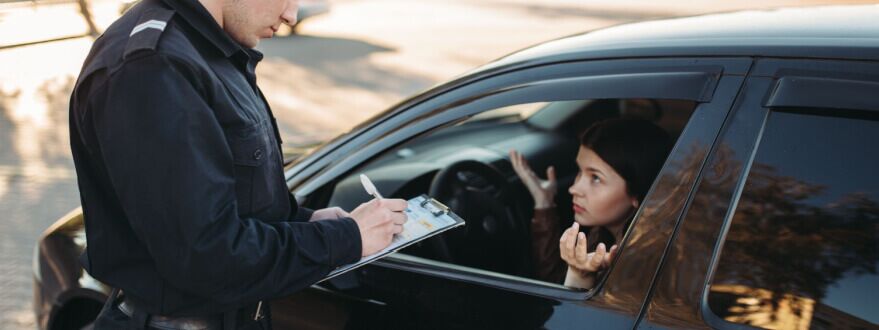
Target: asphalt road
x=343 y=67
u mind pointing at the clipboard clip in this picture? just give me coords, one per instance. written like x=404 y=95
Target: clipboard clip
x=435 y=207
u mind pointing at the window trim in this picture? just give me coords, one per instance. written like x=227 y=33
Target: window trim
x=480 y=83
x=536 y=91
x=710 y=317
x=688 y=85
x=833 y=93
x=449 y=271
x=646 y=78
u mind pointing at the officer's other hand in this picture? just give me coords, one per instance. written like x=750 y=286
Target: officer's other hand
x=329 y=213
x=379 y=220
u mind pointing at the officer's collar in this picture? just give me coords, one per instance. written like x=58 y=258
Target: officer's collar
x=198 y=16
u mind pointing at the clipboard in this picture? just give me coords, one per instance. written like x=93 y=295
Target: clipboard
x=427 y=217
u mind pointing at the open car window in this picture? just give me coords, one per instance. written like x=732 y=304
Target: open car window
x=473 y=126
x=490 y=197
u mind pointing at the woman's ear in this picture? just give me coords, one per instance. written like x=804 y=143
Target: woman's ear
x=635 y=203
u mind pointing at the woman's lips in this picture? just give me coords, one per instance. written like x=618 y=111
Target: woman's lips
x=578 y=209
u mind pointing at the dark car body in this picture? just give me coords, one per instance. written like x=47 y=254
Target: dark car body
x=747 y=76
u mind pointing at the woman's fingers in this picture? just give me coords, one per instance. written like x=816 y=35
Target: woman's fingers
x=520 y=166
x=597 y=259
x=543 y=191
x=580 y=253
x=573 y=247
x=526 y=168
x=566 y=244
x=611 y=255
x=572 y=238
x=514 y=159
x=563 y=244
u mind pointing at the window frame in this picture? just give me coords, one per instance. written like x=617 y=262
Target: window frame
x=823 y=93
x=624 y=78
x=806 y=84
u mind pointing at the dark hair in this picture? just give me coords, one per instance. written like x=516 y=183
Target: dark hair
x=635 y=148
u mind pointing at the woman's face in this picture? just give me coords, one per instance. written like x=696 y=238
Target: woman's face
x=599 y=193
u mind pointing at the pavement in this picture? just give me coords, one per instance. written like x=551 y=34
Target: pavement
x=340 y=69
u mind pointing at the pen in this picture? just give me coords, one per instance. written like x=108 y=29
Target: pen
x=370 y=188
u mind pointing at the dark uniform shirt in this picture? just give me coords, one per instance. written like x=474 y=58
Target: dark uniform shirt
x=180 y=171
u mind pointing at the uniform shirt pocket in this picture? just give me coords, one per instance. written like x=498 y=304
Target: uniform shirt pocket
x=252 y=185
x=249 y=149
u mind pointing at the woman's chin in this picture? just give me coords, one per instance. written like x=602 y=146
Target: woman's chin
x=583 y=221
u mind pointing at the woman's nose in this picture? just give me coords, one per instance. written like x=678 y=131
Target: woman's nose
x=574 y=189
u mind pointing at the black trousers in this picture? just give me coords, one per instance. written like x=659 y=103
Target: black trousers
x=112 y=318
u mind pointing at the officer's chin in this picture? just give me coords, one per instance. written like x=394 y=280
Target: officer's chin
x=248 y=41
x=251 y=43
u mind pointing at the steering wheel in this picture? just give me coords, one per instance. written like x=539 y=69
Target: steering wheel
x=495 y=236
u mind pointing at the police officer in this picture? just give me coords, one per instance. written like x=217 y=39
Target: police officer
x=181 y=176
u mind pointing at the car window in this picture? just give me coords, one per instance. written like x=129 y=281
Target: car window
x=802 y=247
x=515 y=112
x=489 y=241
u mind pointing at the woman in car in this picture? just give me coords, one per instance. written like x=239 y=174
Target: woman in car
x=618 y=161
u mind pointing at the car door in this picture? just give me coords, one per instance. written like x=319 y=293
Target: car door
x=783 y=229
x=405 y=291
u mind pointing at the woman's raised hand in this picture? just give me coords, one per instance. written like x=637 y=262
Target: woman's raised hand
x=543 y=191
x=572 y=247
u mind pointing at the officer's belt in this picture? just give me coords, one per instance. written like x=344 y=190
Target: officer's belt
x=220 y=321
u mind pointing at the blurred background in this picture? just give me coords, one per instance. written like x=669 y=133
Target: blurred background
x=345 y=61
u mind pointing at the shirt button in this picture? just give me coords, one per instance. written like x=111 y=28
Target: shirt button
x=257 y=154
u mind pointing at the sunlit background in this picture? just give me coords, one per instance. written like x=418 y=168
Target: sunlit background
x=336 y=69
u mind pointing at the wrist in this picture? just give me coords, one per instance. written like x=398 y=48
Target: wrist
x=575 y=279
x=541 y=204
x=582 y=273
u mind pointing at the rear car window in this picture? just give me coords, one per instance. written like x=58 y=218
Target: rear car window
x=802 y=248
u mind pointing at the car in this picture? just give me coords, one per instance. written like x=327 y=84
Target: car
x=765 y=213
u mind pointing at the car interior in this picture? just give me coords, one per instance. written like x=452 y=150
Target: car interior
x=465 y=165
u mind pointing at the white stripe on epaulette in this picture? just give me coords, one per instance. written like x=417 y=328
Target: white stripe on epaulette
x=151 y=24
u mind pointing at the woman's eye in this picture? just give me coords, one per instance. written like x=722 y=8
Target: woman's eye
x=596 y=179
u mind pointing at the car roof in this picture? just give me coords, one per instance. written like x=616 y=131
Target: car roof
x=836 y=32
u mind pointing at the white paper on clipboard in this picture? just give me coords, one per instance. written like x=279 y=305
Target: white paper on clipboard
x=426 y=218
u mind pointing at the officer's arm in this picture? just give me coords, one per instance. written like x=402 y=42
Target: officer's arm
x=299 y=213
x=172 y=170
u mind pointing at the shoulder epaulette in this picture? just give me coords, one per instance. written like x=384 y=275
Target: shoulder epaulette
x=145 y=35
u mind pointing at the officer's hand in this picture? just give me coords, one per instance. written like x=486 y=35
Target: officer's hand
x=379 y=220
x=329 y=214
